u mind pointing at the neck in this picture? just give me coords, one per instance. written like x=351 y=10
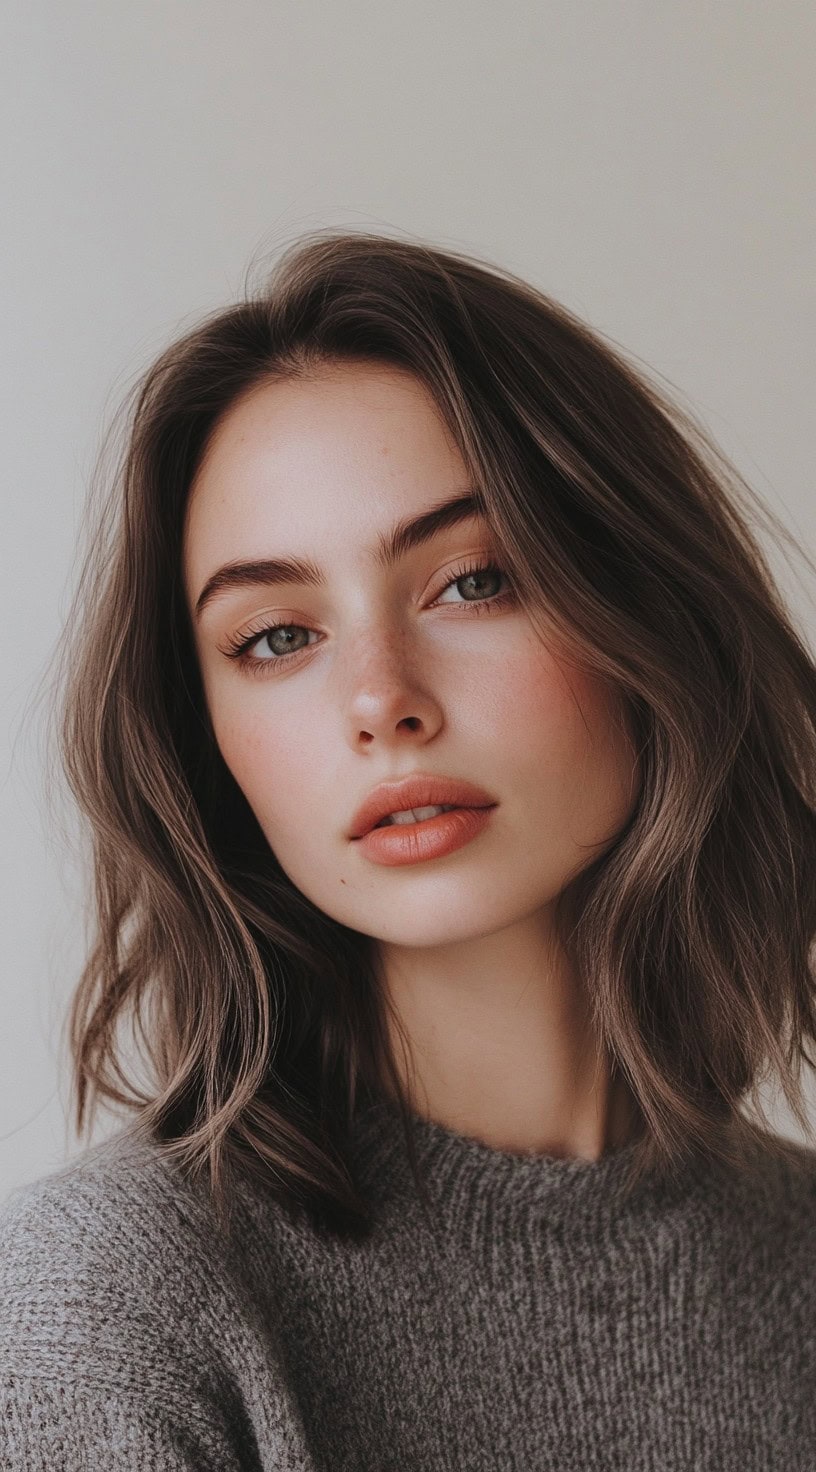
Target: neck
x=512 y=1063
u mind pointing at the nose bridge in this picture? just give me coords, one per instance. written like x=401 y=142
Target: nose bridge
x=378 y=650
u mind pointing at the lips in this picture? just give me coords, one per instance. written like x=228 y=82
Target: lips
x=421 y=790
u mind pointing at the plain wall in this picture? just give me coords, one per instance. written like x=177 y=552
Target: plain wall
x=648 y=165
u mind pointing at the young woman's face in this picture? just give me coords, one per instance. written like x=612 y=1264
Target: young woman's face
x=383 y=671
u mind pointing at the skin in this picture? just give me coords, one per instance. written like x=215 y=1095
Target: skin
x=390 y=681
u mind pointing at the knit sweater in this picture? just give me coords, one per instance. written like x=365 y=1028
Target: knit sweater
x=532 y=1322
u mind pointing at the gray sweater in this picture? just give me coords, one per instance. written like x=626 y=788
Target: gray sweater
x=533 y=1324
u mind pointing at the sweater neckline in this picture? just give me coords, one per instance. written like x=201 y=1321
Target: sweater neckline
x=467 y=1178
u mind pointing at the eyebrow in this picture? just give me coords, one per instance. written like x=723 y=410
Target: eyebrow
x=389 y=548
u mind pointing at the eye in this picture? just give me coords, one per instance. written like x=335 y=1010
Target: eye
x=280 y=647
x=278 y=635
x=478 y=575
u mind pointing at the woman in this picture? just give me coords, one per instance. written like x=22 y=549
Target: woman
x=448 y=753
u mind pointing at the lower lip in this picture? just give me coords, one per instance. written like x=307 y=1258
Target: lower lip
x=410 y=843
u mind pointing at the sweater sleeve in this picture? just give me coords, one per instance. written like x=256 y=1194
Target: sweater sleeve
x=125 y=1341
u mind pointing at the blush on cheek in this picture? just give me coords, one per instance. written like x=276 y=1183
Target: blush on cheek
x=576 y=722
x=268 y=764
x=246 y=749
x=550 y=694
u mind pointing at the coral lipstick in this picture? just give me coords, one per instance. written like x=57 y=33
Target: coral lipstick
x=432 y=838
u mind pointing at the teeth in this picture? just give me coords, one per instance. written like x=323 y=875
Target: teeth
x=413 y=815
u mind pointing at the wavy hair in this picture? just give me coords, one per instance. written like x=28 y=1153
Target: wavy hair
x=615 y=515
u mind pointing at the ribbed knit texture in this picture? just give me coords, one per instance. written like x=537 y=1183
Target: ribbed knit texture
x=536 y=1323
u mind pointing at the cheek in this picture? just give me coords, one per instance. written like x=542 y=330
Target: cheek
x=266 y=758
x=573 y=747
x=533 y=701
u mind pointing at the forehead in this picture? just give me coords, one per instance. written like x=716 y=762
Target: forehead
x=297 y=462
x=287 y=424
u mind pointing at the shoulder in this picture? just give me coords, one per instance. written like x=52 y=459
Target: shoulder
x=789 y=1198
x=778 y=1180
x=116 y=1237
x=128 y=1335
x=760 y=1217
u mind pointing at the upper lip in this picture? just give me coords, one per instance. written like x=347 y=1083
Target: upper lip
x=421 y=790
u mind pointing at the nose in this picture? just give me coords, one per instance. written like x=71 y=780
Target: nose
x=388 y=699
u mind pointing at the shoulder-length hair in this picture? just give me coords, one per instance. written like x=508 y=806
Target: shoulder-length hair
x=617 y=518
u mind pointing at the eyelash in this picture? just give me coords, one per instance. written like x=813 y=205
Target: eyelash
x=239 y=648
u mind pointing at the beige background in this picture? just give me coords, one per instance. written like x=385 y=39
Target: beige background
x=648 y=164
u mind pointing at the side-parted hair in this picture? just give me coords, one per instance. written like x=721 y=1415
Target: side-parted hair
x=617 y=519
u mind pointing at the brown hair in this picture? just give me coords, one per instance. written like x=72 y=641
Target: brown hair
x=614 y=515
